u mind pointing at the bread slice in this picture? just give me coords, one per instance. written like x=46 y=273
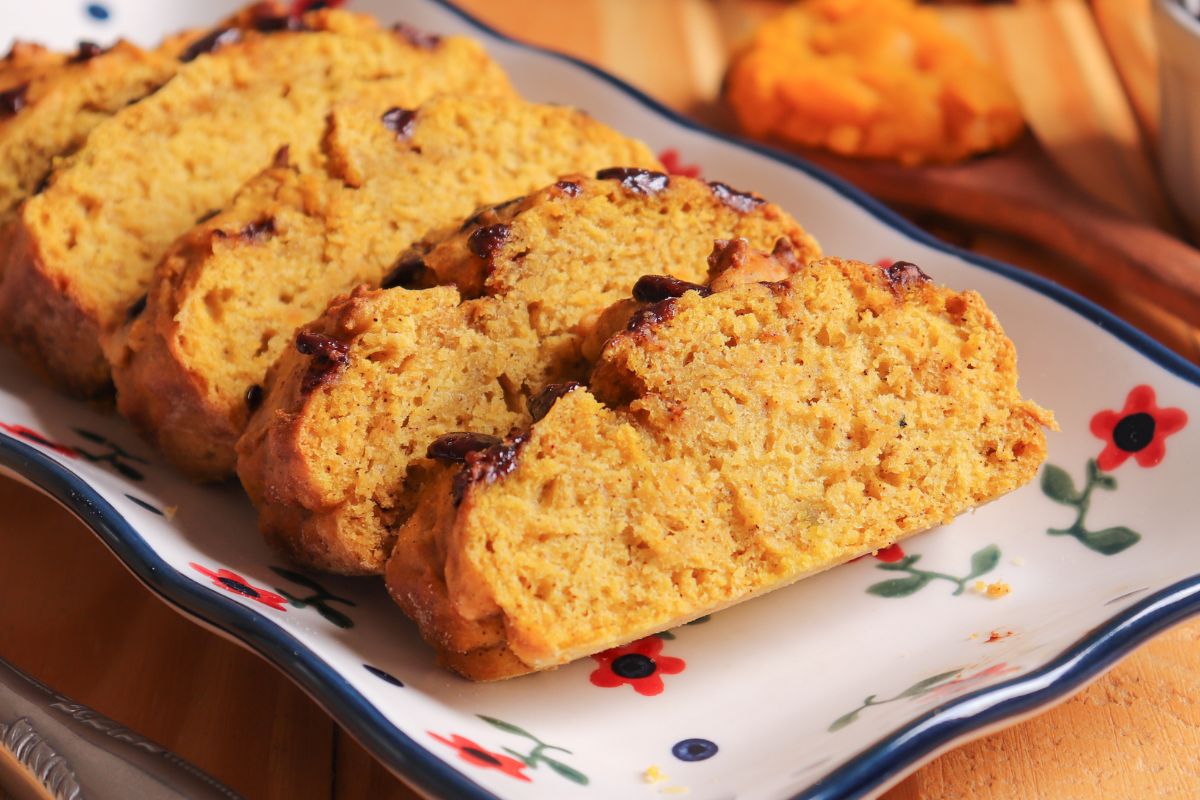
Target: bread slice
x=227 y=299
x=60 y=104
x=730 y=443
x=334 y=458
x=84 y=249
x=50 y=101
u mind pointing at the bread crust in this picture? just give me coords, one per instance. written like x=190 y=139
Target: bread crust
x=44 y=322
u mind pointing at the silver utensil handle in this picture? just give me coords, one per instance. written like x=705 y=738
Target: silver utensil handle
x=70 y=752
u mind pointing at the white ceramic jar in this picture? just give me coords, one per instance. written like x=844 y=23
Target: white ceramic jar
x=1178 y=34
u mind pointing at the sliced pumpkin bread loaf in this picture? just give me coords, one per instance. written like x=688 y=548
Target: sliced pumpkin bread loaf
x=730 y=443
x=83 y=250
x=227 y=299
x=336 y=454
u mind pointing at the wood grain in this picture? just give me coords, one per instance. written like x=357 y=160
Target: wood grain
x=73 y=617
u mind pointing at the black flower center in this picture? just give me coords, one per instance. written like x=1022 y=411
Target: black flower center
x=238 y=587
x=694 y=749
x=1134 y=432
x=634 y=665
x=482 y=755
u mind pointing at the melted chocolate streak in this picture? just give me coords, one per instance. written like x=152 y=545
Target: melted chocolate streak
x=638 y=181
x=422 y=40
x=329 y=356
x=741 y=202
x=904 y=274
x=400 y=121
x=455 y=447
x=656 y=288
x=86 y=52
x=487 y=239
x=645 y=319
x=211 y=43
x=541 y=403
x=489 y=465
x=13 y=100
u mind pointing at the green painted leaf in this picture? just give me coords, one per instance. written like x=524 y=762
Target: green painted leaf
x=91 y=437
x=665 y=635
x=844 y=720
x=1110 y=541
x=507 y=727
x=1105 y=481
x=1058 y=485
x=900 y=587
x=524 y=759
x=334 y=616
x=983 y=561
x=570 y=773
x=923 y=686
x=297 y=577
x=899 y=566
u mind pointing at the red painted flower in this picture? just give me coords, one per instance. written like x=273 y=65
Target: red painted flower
x=964 y=685
x=37 y=438
x=890 y=554
x=638 y=664
x=1139 y=430
x=232 y=582
x=675 y=166
x=884 y=263
x=475 y=754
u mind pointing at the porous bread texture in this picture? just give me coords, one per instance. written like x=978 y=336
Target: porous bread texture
x=62 y=104
x=728 y=445
x=334 y=470
x=870 y=78
x=326 y=458
x=84 y=249
x=62 y=96
x=561 y=256
x=222 y=306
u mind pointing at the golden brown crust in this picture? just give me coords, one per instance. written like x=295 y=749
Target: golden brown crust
x=295 y=509
x=161 y=389
x=41 y=320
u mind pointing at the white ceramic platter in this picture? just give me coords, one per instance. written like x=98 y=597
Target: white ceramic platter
x=835 y=687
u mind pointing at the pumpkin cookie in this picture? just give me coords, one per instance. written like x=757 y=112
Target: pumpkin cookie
x=870 y=78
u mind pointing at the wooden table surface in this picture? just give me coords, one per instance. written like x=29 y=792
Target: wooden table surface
x=73 y=617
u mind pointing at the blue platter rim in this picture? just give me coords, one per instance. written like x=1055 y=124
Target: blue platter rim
x=869 y=770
